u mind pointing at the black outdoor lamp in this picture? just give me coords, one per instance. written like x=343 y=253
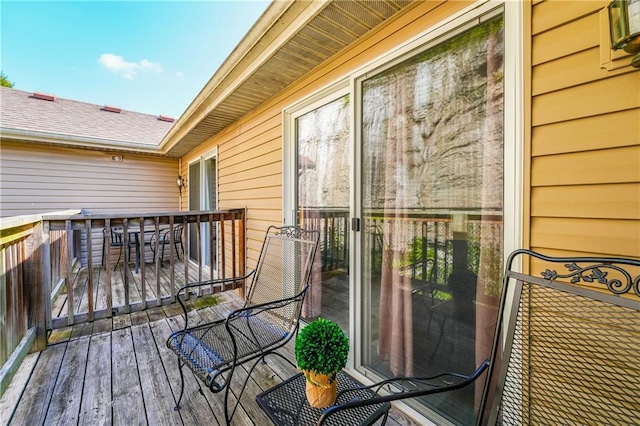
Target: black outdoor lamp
x=180 y=182
x=624 y=23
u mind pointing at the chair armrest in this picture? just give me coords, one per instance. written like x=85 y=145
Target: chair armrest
x=252 y=310
x=220 y=281
x=405 y=387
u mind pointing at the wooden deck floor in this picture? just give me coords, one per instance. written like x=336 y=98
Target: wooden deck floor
x=119 y=372
x=154 y=284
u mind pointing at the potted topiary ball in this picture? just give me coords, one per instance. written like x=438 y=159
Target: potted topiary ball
x=321 y=351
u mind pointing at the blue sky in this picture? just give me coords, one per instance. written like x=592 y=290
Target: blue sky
x=146 y=56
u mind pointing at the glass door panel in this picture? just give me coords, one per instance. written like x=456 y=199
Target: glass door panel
x=194 y=204
x=203 y=196
x=323 y=190
x=432 y=195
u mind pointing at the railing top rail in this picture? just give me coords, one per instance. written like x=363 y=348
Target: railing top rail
x=20 y=221
x=137 y=215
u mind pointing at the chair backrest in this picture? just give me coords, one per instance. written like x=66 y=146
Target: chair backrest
x=573 y=343
x=283 y=271
x=115 y=239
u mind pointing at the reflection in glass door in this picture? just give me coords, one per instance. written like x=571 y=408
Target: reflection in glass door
x=432 y=203
x=323 y=163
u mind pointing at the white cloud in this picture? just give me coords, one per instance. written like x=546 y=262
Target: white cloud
x=129 y=70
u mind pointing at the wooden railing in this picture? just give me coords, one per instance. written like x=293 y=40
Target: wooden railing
x=58 y=269
x=22 y=310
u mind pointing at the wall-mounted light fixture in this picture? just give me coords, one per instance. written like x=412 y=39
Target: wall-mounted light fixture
x=624 y=25
x=181 y=182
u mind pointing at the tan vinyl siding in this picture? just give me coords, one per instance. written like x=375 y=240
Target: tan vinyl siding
x=585 y=138
x=40 y=179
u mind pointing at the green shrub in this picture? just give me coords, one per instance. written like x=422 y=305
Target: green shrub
x=322 y=347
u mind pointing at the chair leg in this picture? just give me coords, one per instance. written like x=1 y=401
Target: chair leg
x=119 y=257
x=177 y=407
x=228 y=417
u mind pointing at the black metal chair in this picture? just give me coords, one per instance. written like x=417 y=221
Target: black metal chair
x=571 y=355
x=115 y=239
x=164 y=239
x=268 y=320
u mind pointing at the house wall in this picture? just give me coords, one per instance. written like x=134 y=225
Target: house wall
x=42 y=178
x=250 y=151
x=582 y=158
x=585 y=136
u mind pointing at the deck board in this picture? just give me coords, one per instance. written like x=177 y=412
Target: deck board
x=95 y=408
x=126 y=395
x=119 y=372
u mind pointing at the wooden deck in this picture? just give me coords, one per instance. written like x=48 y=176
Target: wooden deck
x=119 y=372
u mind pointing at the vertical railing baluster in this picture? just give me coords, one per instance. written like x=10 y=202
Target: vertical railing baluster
x=125 y=262
x=157 y=261
x=186 y=264
x=223 y=249
x=46 y=273
x=142 y=263
x=90 y=295
x=107 y=268
x=172 y=279
x=212 y=234
x=68 y=264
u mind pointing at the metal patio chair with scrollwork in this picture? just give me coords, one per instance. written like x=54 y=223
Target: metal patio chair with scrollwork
x=267 y=321
x=565 y=351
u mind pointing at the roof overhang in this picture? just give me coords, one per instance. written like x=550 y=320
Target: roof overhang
x=289 y=40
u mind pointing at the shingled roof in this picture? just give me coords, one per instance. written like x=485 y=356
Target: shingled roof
x=44 y=118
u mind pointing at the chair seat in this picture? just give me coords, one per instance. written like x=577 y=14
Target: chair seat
x=208 y=349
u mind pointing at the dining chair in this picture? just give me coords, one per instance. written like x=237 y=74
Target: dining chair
x=164 y=239
x=115 y=239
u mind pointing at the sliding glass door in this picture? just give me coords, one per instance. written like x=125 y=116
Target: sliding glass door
x=402 y=169
x=432 y=192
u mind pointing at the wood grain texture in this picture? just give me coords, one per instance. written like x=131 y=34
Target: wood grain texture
x=96 y=395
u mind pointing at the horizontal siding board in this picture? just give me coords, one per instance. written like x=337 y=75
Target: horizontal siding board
x=255 y=183
x=257 y=204
x=575 y=36
x=269 y=149
x=620 y=165
x=601 y=97
x=267 y=164
x=254 y=193
x=587 y=134
x=614 y=237
x=614 y=201
x=554 y=13
x=573 y=70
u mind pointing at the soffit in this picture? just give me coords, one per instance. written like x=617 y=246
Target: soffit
x=296 y=37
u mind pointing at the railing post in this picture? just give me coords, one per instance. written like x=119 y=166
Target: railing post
x=242 y=243
x=34 y=286
x=47 y=277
